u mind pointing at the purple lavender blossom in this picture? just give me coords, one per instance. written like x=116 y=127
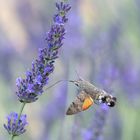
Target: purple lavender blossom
x=60 y=17
x=100 y=119
x=96 y=130
x=31 y=87
x=13 y=127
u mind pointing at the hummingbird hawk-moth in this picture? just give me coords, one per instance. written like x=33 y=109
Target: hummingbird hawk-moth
x=89 y=94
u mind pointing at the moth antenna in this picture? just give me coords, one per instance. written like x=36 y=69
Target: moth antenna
x=80 y=78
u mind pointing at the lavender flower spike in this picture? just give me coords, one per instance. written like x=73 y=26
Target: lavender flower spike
x=13 y=127
x=94 y=132
x=31 y=87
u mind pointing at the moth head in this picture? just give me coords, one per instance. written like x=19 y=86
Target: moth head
x=110 y=100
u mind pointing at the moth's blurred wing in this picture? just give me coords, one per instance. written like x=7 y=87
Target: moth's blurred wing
x=82 y=102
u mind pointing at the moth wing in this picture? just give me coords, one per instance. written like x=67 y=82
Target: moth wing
x=82 y=102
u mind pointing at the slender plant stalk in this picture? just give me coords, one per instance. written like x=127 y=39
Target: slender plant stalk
x=20 y=112
x=12 y=137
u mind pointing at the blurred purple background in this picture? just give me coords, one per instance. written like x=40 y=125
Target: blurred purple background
x=102 y=43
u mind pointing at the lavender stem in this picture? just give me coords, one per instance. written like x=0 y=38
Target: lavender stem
x=20 y=112
x=12 y=137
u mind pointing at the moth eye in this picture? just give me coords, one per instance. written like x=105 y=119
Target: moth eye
x=111 y=104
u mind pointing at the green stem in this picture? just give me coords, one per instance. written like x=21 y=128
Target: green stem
x=20 y=112
x=12 y=137
x=19 y=115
